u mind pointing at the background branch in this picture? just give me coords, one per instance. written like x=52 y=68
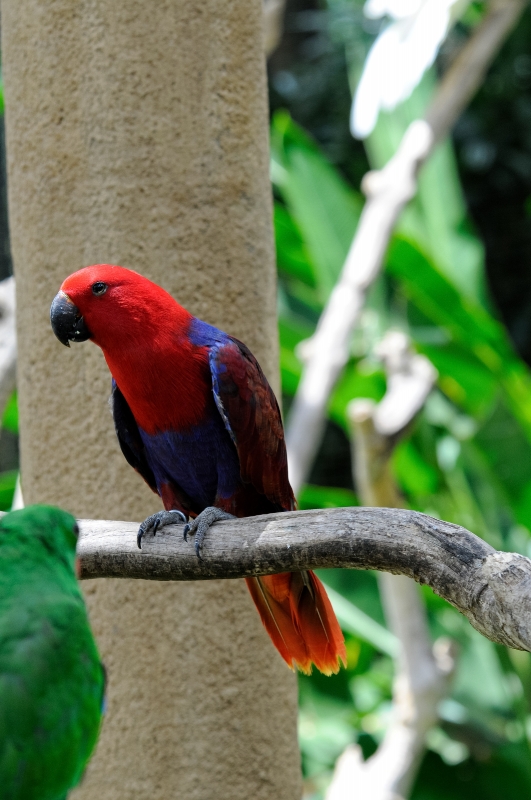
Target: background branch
x=467 y=72
x=273 y=11
x=421 y=672
x=8 y=340
x=387 y=192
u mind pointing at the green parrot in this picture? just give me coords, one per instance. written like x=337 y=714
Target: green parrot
x=52 y=681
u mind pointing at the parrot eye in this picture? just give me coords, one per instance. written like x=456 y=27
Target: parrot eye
x=99 y=288
x=76 y=530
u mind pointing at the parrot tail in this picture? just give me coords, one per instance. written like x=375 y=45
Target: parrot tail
x=300 y=620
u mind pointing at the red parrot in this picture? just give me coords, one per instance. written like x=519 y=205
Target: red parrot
x=196 y=417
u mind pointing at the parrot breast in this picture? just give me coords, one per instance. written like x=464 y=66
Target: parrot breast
x=202 y=460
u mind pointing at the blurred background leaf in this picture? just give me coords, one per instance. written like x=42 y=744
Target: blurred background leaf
x=468 y=457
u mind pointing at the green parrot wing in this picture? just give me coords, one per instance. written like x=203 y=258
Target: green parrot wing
x=51 y=693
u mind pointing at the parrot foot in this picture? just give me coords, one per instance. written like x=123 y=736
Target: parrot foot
x=200 y=525
x=159 y=520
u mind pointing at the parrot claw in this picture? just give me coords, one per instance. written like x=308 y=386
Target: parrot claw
x=199 y=526
x=157 y=521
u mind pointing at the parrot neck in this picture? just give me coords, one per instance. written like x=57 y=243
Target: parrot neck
x=164 y=378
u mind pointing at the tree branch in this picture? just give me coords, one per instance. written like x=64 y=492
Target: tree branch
x=468 y=69
x=491 y=588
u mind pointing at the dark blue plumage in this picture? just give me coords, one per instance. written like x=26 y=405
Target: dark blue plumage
x=202 y=460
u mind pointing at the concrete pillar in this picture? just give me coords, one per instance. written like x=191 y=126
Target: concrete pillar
x=137 y=135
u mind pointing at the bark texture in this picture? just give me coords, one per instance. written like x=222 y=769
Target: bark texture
x=137 y=135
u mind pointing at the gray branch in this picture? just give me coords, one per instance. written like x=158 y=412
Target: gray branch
x=491 y=588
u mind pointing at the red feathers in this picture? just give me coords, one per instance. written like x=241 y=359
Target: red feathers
x=246 y=400
x=299 y=618
x=142 y=332
x=196 y=417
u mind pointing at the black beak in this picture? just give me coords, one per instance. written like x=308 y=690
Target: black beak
x=67 y=322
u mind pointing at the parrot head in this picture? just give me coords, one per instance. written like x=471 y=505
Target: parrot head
x=54 y=529
x=110 y=305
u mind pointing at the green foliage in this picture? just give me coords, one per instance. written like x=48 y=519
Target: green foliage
x=327 y=219
x=8 y=477
x=10 y=417
x=467 y=459
x=8 y=482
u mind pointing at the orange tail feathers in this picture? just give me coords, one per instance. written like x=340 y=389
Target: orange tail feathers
x=300 y=620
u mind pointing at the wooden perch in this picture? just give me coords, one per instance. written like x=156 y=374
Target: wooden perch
x=491 y=588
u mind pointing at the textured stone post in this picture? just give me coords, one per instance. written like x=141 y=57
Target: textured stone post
x=137 y=135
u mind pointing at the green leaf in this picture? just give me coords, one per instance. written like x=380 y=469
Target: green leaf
x=355 y=381
x=8 y=482
x=413 y=473
x=292 y=255
x=323 y=206
x=465 y=322
x=462 y=376
x=508 y=454
x=312 y=496
x=10 y=416
x=355 y=621
x=291 y=331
